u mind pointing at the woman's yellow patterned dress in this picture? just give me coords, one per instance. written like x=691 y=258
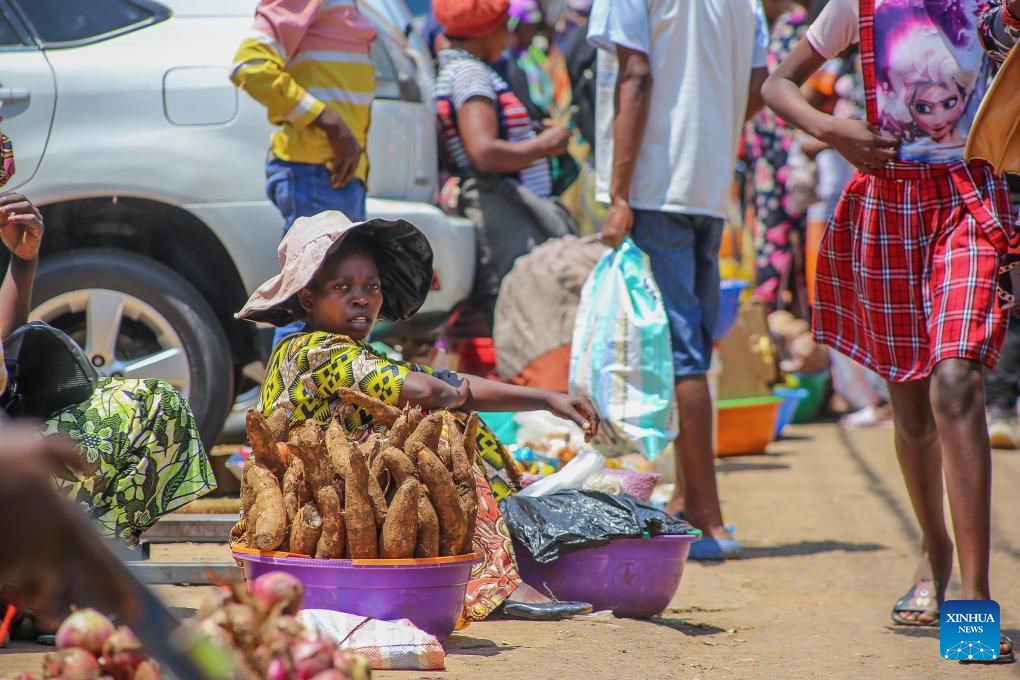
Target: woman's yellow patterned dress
x=303 y=375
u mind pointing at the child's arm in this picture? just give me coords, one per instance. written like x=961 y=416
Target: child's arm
x=857 y=141
x=21 y=227
x=479 y=394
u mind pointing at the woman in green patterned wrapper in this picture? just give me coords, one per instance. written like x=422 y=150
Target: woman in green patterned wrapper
x=339 y=277
x=141 y=452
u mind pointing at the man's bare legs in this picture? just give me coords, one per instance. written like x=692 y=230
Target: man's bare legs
x=697 y=494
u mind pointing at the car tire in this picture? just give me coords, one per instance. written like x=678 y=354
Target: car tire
x=209 y=363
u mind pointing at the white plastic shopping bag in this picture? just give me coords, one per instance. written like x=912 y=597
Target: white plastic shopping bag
x=622 y=355
x=573 y=475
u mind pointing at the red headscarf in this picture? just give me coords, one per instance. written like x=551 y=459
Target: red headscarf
x=471 y=18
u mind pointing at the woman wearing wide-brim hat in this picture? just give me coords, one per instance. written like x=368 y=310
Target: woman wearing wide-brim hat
x=339 y=277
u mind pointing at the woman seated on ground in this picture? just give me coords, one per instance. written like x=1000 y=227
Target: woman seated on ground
x=141 y=453
x=506 y=181
x=338 y=278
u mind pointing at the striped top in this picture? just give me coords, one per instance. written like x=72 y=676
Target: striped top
x=300 y=57
x=462 y=76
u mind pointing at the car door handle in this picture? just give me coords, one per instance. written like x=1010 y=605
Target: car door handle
x=13 y=95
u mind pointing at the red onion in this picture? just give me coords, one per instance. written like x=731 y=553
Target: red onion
x=332 y=674
x=243 y=622
x=344 y=659
x=278 y=587
x=71 y=664
x=216 y=633
x=214 y=601
x=278 y=669
x=86 y=629
x=122 y=654
x=312 y=653
x=279 y=633
x=147 y=670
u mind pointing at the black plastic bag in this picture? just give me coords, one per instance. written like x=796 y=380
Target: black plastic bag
x=552 y=526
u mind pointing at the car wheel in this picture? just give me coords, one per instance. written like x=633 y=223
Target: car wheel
x=137 y=318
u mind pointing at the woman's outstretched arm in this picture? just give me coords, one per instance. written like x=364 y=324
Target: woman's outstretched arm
x=479 y=394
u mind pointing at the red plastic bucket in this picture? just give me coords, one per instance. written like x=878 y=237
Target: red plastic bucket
x=632 y=577
x=429 y=592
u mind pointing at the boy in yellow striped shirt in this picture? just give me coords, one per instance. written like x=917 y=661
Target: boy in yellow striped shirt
x=309 y=63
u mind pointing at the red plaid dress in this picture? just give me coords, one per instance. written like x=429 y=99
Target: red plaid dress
x=908 y=267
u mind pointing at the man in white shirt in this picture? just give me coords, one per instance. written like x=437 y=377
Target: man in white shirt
x=676 y=80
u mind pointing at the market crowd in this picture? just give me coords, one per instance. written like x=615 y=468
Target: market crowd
x=829 y=140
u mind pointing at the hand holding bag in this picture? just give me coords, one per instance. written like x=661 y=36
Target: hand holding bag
x=622 y=356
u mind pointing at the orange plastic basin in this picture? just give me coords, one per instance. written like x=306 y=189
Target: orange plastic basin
x=746 y=426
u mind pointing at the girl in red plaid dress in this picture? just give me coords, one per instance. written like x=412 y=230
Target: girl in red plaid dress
x=908 y=268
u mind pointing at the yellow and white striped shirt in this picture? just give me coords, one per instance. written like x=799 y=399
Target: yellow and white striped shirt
x=301 y=57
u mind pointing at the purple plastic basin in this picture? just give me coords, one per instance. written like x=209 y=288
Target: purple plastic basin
x=430 y=595
x=633 y=577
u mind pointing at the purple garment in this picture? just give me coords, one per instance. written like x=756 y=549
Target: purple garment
x=525 y=12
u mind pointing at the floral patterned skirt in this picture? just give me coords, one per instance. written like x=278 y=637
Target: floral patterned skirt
x=142 y=455
x=496 y=577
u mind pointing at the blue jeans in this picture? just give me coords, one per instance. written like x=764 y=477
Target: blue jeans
x=684 y=254
x=303 y=190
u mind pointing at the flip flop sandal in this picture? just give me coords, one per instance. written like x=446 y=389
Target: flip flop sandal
x=925 y=596
x=1008 y=657
x=714 y=550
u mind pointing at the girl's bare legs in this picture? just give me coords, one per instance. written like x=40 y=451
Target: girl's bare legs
x=958 y=401
x=917 y=448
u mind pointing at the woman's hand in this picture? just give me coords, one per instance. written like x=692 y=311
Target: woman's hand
x=555 y=139
x=576 y=409
x=21 y=226
x=860 y=143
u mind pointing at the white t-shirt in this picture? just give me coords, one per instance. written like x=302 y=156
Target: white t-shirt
x=701 y=53
x=837 y=27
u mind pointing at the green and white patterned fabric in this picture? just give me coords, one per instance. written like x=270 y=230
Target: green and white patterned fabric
x=142 y=454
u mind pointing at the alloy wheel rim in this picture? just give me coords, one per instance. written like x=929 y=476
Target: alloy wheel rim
x=109 y=324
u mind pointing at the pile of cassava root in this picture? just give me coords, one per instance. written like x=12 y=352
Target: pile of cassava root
x=407 y=490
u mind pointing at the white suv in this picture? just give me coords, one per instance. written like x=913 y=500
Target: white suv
x=148 y=166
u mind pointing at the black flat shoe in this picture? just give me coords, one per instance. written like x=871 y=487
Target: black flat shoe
x=546 y=611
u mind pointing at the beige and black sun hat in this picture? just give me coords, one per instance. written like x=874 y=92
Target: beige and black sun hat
x=402 y=253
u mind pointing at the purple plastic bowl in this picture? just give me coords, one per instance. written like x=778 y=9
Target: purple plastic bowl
x=430 y=595
x=633 y=577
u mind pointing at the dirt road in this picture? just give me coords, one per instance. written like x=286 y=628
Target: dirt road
x=830 y=545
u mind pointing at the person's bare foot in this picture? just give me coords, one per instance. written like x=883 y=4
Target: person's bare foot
x=528 y=595
x=675 y=506
x=710 y=527
x=1005 y=645
x=935 y=565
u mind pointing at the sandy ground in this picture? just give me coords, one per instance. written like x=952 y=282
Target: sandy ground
x=830 y=545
